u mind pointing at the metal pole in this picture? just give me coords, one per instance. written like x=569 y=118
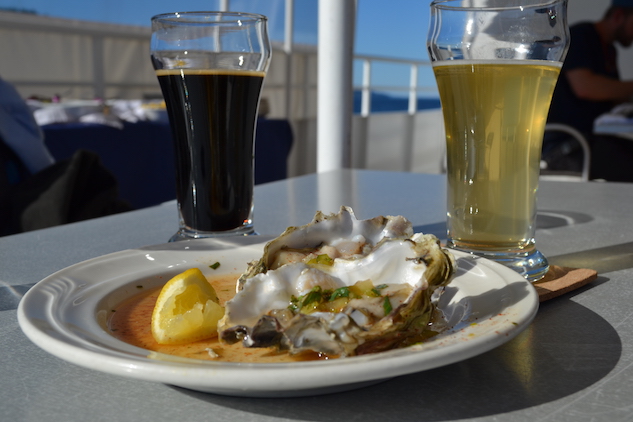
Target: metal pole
x=413 y=89
x=409 y=133
x=365 y=104
x=288 y=44
x=361 y=137
x=336 y=47
x=98 y=64
x=224 y=5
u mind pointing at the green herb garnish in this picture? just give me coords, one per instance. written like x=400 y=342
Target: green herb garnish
x=375 y=292
x=323 y=259
x=215 y=266
x=340 y=292
x=294 y=304
x=315 y=295
x=386 y=305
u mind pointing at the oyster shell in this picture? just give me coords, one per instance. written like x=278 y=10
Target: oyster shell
x=338 y=235
x=373 y=295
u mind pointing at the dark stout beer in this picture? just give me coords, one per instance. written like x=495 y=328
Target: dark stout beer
x=212 y=115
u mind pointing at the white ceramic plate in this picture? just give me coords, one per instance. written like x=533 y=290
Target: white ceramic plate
x=65 y=314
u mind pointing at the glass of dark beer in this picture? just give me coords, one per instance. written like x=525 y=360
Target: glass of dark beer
x=211 y=67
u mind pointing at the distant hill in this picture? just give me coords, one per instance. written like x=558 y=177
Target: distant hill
x=384 y=102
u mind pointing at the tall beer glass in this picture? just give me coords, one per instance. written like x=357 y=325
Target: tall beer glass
x=496 y=63
x=211 y=67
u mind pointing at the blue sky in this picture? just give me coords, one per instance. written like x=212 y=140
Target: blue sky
x=396 y=28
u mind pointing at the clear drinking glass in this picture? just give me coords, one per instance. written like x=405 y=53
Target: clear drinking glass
x=496 y=63
x=211 y=67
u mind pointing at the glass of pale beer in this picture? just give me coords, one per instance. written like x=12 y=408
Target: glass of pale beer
x=496 y=63
x=211 y=67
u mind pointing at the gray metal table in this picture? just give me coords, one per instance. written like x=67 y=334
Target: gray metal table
x=574 y=363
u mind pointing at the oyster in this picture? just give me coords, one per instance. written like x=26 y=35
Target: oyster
x=337 y=235
x=339 y=286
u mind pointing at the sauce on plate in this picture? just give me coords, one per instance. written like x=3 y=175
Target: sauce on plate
x=131 y=323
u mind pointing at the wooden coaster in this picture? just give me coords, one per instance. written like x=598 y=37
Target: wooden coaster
x=560 y=280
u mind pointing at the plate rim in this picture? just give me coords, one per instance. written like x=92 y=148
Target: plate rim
x=218 y=377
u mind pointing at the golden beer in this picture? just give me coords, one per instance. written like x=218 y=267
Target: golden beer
x=495 y=114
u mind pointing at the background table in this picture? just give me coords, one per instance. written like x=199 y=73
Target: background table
x=574 y=363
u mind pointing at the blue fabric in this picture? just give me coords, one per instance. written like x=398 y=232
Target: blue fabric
x=141 y=155
x=273 y=142
x=20 y=132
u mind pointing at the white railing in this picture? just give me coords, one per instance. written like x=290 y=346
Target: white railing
x=412 y=90
x=47 y=56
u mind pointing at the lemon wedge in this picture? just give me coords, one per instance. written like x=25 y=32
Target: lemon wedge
x=187 y=310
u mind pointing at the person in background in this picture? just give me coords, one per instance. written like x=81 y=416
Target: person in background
x=19 y=132
x=589 y=86
x=36 y=191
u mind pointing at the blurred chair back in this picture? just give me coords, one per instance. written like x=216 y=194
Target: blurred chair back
x=570 y=133
x=70 y=190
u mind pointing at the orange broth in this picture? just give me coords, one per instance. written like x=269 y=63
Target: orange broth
x=131 y=323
